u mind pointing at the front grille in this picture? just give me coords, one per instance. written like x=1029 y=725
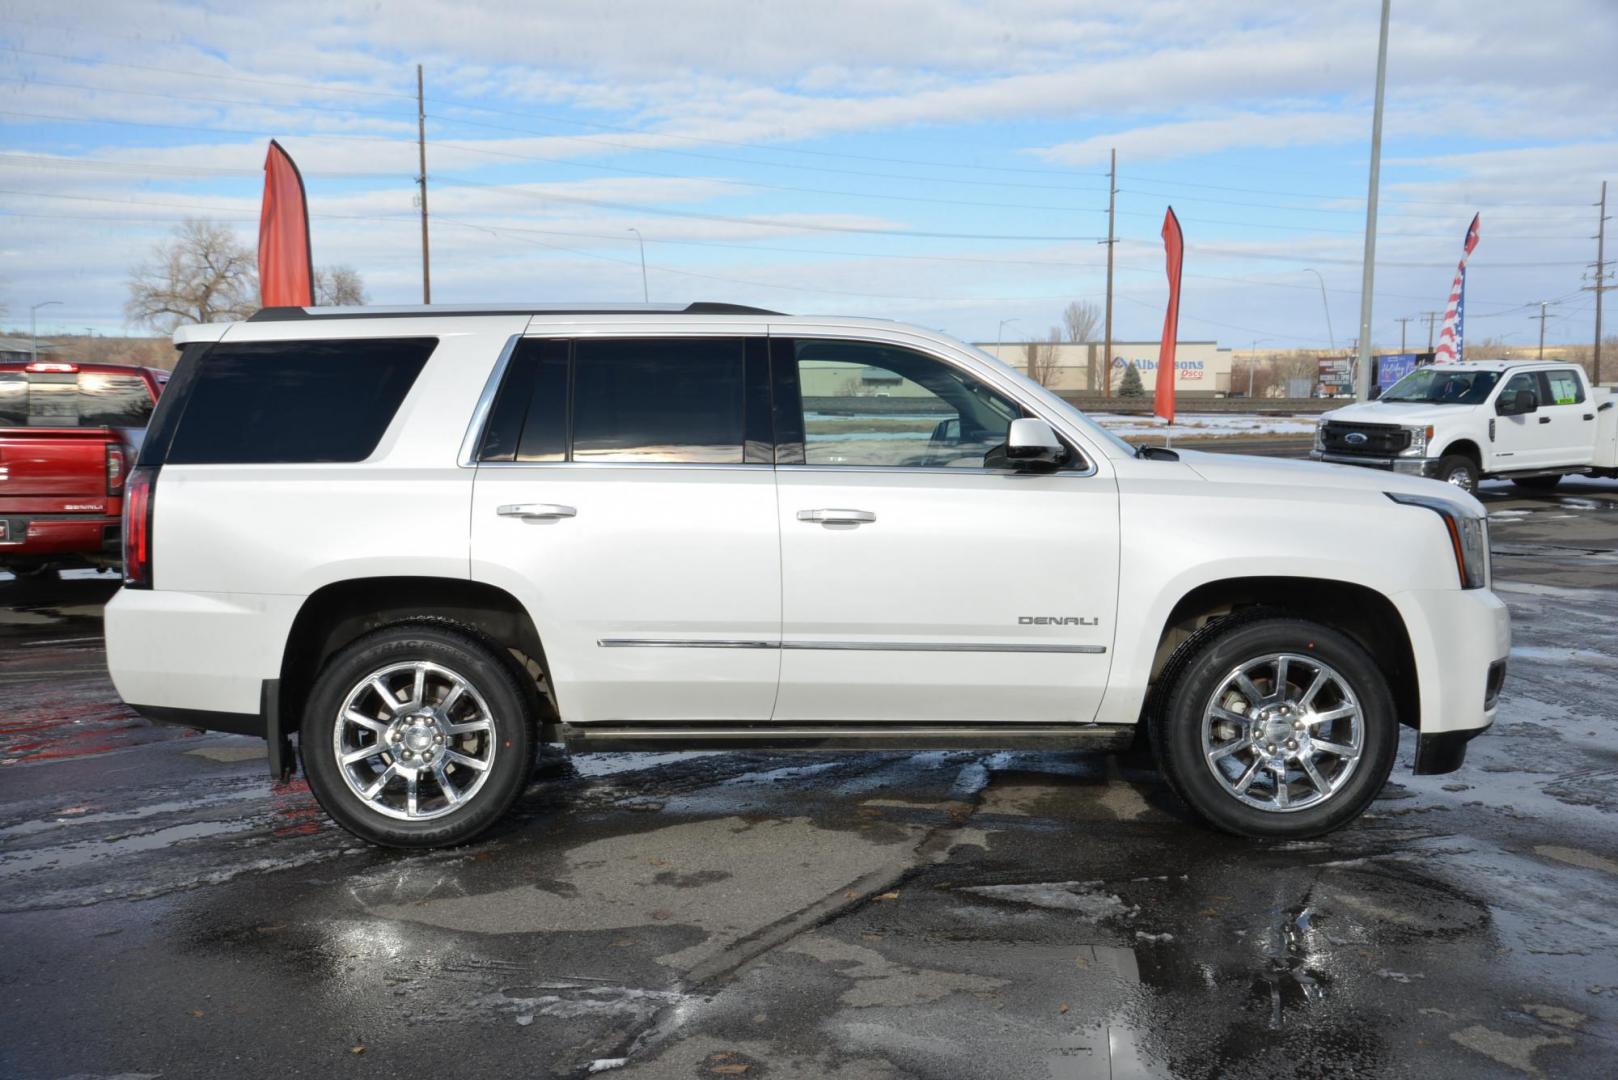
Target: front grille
x=1379 y=440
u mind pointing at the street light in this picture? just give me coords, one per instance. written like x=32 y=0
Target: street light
x=645 y=294
x=33 y=324
x=1252 y=365
x=999 y=332
x=1329 y=335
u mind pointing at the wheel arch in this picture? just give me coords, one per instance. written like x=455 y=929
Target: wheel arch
x=336 y=614
x=1365 y=615
x=1467 y=448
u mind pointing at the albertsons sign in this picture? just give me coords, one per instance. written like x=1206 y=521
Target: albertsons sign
x=1183 y=369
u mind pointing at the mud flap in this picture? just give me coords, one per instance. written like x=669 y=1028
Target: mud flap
x=282 y=759
x=1443 y=751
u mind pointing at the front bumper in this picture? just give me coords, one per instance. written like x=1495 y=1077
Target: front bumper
x=1461 y=639
x=1411 y=466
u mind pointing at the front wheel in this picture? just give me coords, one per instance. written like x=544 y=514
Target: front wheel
x=1459 y=470
x=416 y=736
x=1275 y=727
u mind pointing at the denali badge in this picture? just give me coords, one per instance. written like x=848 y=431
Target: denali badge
x=1356 y=438
x=1055 y=620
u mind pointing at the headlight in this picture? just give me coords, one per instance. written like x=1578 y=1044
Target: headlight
x=1468 y=534
x=1419 y=438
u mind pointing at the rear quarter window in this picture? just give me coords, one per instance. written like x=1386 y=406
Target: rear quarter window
x=286 y=402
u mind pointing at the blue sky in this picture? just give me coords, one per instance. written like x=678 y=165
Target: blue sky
x=935 y=161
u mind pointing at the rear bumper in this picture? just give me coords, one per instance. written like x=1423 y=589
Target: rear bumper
x=27 y=536
x=266 y=724
x=1427 y=467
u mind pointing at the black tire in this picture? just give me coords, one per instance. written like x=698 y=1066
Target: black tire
x=1537 y=483
x=507 y=742
x=1199 y=670
x=1460 y=470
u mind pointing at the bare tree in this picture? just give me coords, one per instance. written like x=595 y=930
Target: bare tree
x=1081 y=318
x=339 y=286
x=204 y=274
x=1042 y=356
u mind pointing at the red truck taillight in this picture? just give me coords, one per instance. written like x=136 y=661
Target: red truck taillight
x=115 y=469
x=138 y=527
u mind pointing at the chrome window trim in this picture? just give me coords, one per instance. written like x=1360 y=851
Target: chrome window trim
x=480 y=412
x=937 y=470
x=850 y=646
x=749 y=465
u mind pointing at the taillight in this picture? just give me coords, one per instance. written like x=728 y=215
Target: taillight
x=115 y=469
x=138 y=527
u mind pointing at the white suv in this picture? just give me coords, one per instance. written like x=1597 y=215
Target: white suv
x=425 y=540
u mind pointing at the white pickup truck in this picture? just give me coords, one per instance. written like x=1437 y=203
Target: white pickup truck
x=1530 y=423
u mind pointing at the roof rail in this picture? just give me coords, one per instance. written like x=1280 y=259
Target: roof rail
x=299 y=314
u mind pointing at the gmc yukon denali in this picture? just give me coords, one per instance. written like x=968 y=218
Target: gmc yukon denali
x=420 y=542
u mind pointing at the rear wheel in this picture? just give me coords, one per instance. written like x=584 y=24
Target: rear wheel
x=1537 y=483
x=417 y=736
x=1273 y=726
x=1460 y=470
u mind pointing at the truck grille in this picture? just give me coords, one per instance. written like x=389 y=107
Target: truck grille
x=1379 y=440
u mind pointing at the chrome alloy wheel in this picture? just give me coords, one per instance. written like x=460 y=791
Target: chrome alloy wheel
x=1283 y=732
x=414 y=741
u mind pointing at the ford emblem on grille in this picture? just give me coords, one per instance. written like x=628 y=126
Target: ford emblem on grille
x=1356 y=438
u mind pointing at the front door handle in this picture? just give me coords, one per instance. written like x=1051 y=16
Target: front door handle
x=1544 y=419
x=837 y=517
x=537 y=511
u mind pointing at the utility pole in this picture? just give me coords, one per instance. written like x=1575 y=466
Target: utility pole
x=1112 y=241
x=33 y=329
x=1543 y=304
x=421 y=149
x=1362 y=367
x=1401 y=321
x=1431 y=317
x=1324 y=306
x=1601 y=271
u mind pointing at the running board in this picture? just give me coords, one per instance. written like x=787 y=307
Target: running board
x=871 y=735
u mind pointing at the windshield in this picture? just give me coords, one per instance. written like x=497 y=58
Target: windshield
x=1440 y=387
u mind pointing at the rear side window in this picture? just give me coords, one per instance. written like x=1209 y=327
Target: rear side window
x=674 y=399
x=68 y=399
x=678 y=400
x=1565 y=388
x=293 y=401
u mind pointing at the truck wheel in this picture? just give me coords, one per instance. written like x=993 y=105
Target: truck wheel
x=1537 y=483
x=1460 y=470
x=416 y=735
x=1271 y=726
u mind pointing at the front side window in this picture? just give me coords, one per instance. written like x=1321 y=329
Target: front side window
x=1523 y=381
x=879 y=405
x=1564 y=388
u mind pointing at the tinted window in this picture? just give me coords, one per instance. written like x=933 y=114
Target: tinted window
x=878 y=405
x=658 y=400
x=65 y=399
x=1564 y=387
x=293 y=401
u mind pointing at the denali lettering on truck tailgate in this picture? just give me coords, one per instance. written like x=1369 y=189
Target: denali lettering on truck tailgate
x=796 y=564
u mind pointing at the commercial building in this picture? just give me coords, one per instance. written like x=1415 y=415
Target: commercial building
x=1202 y=368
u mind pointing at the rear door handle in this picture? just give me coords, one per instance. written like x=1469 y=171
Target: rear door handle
x=837 y=517
x=537 y=511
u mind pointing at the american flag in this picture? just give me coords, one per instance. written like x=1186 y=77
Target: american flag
x=1451 y=340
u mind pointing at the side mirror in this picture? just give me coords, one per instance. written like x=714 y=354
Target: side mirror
x=1517 y=403
x=1032 y=443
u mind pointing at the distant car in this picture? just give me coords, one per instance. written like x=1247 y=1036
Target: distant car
x=68 y=434
x=1528 y=422
x=427 y=539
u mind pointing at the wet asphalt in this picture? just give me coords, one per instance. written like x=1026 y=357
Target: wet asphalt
x=165 y=910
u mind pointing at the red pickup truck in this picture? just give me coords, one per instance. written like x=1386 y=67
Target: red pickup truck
x=68 y=435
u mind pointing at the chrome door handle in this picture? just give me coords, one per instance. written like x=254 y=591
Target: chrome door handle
x=537 y=511
x=837 y=517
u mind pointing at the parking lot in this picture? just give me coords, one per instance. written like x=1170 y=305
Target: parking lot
x=166 y=910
